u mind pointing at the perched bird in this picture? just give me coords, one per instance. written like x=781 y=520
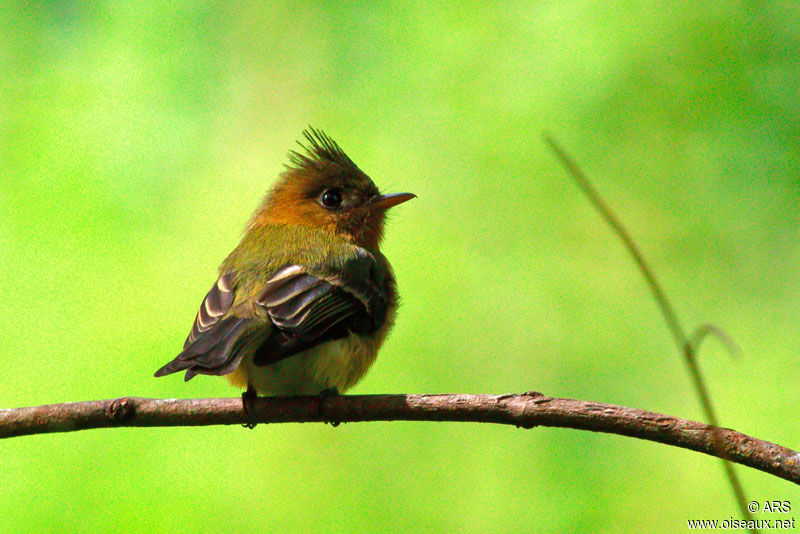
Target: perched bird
x=305 y=300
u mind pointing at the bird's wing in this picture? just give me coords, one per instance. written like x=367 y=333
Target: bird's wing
x=212 y=347
x=305 y=305
x=216 y=303
x=308 y=309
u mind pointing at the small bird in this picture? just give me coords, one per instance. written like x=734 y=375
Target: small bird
x=304 y=302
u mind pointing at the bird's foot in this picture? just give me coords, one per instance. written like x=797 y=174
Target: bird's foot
x=324 y=395
x=248 y=397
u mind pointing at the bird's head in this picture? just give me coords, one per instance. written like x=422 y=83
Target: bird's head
x=323 y=188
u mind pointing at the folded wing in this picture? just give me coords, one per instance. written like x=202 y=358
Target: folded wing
x=304 y=309
x=213 y=347
x=309 y=309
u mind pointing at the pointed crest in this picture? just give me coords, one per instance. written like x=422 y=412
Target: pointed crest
x=319 y=148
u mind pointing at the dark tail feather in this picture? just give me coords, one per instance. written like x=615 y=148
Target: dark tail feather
x=213 y=353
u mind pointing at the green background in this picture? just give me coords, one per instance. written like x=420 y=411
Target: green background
x=135 y=141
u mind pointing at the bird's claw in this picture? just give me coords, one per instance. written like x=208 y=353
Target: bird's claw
x=248 y=397
x=324 y=395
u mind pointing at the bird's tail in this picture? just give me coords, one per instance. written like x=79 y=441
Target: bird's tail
x=216 y=352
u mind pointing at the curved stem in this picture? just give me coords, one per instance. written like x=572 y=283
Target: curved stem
x=685 y=346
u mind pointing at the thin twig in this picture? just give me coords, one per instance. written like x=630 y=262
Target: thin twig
x=526 y=410
x=684 y=344
x=708 y=329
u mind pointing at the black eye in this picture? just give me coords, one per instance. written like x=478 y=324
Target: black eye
x=331 y=198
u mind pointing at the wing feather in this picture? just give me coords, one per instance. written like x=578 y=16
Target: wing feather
x=305 y=305
x=216 y=304
x=214 y=353
x=213 y=346
x=309 y=308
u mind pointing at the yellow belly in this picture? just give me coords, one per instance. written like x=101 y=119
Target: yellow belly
x=335 y=364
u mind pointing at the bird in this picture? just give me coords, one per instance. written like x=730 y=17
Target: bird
x=306 y=299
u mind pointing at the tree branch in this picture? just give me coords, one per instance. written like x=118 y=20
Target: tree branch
x=526 y=410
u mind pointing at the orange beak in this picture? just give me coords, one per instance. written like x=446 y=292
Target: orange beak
x=385 y=202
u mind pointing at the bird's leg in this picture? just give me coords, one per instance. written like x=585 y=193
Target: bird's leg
x=248 y=397
x=323 y=396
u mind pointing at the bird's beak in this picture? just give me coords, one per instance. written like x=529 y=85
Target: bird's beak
x=385 y=202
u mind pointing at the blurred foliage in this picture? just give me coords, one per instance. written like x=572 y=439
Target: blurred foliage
x=136 y=138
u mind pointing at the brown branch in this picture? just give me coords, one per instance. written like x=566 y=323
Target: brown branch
x=526 y=410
